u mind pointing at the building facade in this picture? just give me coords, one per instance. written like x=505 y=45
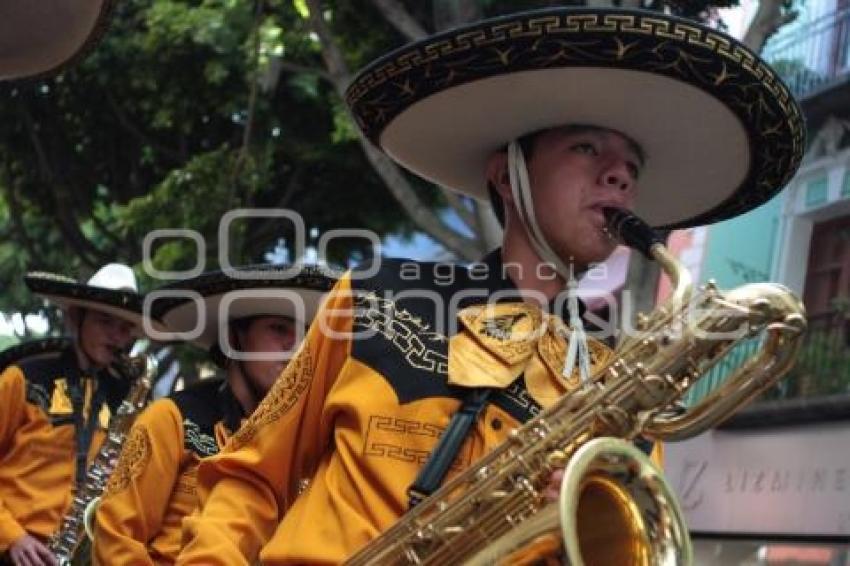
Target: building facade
x=772 y=485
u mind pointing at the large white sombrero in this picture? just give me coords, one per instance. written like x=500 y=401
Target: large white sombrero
x=721 y=132
x=39 y=37
x=270 y=290
x=113 y=290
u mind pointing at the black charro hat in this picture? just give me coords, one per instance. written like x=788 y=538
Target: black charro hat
x=721 y=132
x=257 y=290
x=42 y=37
x=34 y=349
x=112 y=290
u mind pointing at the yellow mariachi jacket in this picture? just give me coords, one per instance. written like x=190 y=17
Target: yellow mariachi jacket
x=324 y=464
x=37 y=441
x=153 y=487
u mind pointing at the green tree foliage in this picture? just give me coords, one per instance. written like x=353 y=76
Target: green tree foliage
x=190 y=108
x=177 y=117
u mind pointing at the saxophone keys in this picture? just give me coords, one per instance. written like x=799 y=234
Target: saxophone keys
x=557 y=459
x=651 y=391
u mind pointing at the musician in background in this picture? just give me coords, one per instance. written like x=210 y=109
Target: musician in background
x=153 y=487
x=55 y=407
x=558 y=114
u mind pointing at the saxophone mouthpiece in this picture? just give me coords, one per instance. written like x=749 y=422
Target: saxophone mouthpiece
x=631 y=230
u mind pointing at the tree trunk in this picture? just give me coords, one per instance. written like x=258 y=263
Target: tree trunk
x=452 y=13
x=425 y=218
x=769 y=18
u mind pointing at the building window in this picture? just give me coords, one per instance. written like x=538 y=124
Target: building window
x=823 y=367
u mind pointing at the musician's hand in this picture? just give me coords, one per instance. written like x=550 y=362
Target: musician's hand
x=553 y=489
x=29 y=551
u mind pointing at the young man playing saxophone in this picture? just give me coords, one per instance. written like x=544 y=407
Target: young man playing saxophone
x=55 y=408
x=562 y=113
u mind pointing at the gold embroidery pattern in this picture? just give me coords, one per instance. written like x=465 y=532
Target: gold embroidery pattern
x=506 y=330
x=392 y=437
x=407 y=333
x=501 y=327
x=287 y=390
x=187 y=482
x=669 y=47
x=135 y=453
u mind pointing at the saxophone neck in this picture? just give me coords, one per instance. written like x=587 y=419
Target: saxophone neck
x=631 y=231
x=680 y=278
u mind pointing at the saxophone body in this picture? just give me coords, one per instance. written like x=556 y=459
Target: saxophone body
x=69 y=542
x=615 y=507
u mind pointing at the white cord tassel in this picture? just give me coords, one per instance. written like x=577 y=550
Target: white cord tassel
x=577 y=346
x=521 y=190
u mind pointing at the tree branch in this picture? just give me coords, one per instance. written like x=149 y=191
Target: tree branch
x=283 y=65
x=460 y=208
x=16 y=215
x=404 y=193
x=131 y=252
x=265 y=229
x=398 y=17
x=64 y=214
x=137 y=133
x=422 y=216
x=64 y=210
x=43 y=163
x=768 y=18
x=489 y=229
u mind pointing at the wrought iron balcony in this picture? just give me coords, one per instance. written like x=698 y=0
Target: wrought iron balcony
x=812 y=56
x=823 y=367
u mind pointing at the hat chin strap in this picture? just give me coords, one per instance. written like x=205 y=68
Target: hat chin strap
x=521 y=190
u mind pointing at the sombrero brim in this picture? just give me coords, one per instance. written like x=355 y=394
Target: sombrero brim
x=66 y=293
x=34 y=349
x=42 y=37
x=721 y=132
x=272 y=290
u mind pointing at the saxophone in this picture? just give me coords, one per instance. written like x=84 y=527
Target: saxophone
x=614 y=506
x=70 y=540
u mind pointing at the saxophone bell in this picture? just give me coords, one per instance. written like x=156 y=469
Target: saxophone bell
x=614 y=508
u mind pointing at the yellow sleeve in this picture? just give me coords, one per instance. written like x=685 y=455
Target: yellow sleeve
x=12 y=416
x=131 y=510
x=249 y=485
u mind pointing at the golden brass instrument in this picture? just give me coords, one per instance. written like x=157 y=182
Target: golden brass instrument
x=70 y=544
x=614 y=508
